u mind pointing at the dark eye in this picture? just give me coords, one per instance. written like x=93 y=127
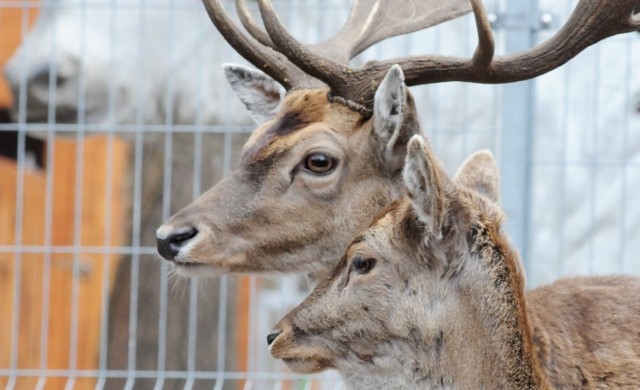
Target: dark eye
x=319 y=163
x=363 y=265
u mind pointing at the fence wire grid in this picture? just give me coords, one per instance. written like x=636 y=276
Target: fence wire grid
x=118 y=115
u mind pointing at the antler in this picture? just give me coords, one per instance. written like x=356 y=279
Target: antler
x=369 y=22
x=251 y=26
x=591 y=21
x=372 y=21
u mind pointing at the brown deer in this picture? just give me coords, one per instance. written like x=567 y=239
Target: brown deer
x=431 y=296
x=328 y=153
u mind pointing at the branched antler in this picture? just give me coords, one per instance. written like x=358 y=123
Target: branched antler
x=590 y=22
x=369 y=22
x=372 y=21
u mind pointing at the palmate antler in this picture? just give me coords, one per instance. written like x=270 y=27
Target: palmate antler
x=295 y=65
x=369 y=22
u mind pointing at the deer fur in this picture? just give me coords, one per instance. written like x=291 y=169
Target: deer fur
x=441 y=303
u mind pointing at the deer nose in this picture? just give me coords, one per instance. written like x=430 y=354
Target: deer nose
x=273 y=336
x=169 y=245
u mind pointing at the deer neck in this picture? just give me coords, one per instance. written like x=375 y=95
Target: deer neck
x=491 y=329
x=456 y=358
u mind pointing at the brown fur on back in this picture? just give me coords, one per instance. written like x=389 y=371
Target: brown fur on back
x=586 y=331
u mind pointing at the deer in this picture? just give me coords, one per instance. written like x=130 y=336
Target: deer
x=327 y=154
x=432 y=296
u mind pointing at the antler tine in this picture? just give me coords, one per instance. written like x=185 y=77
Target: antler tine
x=348 y=41
x=485 y=50
x=313 y=64
x=265 y=58
x=251 y=26
x=341 y=46
x=372 y=21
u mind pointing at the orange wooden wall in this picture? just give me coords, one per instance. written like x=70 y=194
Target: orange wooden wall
x=93 y=225
x=92 y=266
x=11 y=21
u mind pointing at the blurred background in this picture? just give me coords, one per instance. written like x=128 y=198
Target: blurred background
x=114 y=114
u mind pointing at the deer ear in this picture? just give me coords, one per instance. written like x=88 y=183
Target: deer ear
x=480 y=172
x=425 y=181
x=260 y=93
x=394 y=117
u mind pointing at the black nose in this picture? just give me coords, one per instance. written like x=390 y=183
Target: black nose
x=272 y=336
x=170 y=246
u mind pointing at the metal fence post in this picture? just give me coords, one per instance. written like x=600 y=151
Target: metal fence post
x=520 y=21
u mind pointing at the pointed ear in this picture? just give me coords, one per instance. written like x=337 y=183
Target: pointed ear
x=480 y=172
x=426 y=184
x=394 y=117
x=260 y=93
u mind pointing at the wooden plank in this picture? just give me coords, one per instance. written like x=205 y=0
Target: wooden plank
x=242 y=315
x=11 y=20
x=31 y=269
x=96 y=216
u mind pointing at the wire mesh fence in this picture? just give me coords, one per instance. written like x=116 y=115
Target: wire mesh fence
x=119 y=115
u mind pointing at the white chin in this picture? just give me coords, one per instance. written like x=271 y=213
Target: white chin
x=198 y=270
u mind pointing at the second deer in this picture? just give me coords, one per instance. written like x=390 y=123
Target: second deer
x=432 y=296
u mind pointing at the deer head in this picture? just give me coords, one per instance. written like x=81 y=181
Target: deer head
x=430 y=296
x=300 y=174
x=327 y=154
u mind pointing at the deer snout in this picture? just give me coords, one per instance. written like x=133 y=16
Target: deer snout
x=272 y=336
x=170 y=242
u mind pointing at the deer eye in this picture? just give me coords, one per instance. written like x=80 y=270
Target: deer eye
x=363 y=265
x=319 y=163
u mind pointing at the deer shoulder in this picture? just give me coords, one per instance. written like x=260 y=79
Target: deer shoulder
x=432 y=296
x=585 y=330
